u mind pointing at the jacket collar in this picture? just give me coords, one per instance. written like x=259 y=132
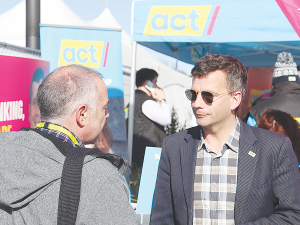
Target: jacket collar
x=188 y=155
x=285 y=88
x=65 y=148
x=248 y=156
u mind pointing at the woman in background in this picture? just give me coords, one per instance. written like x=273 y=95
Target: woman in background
x=282 y=123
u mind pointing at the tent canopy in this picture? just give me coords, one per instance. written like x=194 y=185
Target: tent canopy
x=57 y=13
x=254 y=31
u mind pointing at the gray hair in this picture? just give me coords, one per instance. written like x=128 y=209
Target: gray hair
x=63 y=90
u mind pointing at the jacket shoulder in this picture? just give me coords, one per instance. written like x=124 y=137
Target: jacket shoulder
x=261 y=138
x=183 y=136
x=184 y=133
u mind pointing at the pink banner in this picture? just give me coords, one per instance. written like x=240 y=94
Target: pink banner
x=20 y=78
x=291 y=9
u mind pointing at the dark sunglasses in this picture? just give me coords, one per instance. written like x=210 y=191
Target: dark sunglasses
x=207 y=97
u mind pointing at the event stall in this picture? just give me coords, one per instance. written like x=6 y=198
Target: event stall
x=252 y=31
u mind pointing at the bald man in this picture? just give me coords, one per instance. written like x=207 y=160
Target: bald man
x=47 y=174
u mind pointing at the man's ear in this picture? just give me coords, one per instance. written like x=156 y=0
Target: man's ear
x=236 y=100
x=81 y=115
x=145 y=82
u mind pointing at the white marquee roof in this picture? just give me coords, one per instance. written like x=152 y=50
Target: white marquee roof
x=56 y=12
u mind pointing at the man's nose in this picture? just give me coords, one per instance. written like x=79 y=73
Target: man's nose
x=199 y=102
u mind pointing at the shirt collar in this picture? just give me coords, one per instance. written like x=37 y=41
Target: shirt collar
x=60 y=132
x=232 y=141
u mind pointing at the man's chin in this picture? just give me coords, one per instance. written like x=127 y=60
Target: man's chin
x=91 y=142
x=202 y=122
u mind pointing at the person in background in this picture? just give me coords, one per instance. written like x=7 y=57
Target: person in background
x=224 y=171
x=151 y=114
x=34 y=111
x=47 y=174
x=282 y=123
x=285 y=93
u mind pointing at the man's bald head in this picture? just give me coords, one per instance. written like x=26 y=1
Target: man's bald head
x=64 y=89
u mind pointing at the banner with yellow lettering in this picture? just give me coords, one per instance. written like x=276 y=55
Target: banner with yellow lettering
x=20 y=78
x=98 y=49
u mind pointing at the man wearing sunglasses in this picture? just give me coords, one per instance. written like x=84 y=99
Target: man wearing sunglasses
x=224 y=171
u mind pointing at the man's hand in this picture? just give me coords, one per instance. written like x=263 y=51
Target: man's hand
x=158 y=94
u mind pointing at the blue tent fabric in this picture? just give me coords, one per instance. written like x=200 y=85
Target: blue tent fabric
x=253 y=31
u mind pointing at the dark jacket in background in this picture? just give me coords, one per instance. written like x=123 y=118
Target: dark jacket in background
x=284 y=96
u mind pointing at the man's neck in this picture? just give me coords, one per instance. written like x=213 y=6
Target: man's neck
x=215 y=136
x=142 y=88
x=60 y=132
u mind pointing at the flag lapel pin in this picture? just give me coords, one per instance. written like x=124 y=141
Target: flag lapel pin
x=252 y=154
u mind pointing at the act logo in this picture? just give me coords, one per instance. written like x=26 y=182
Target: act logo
x=176 y=20
x=254 y=94
x=86 y=53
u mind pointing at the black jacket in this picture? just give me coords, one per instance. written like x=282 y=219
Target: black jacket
x=268 y=185
x=284 y=96
x=145 y=132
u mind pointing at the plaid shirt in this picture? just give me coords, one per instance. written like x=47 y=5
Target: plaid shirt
x=60 y=135
x=215 y=182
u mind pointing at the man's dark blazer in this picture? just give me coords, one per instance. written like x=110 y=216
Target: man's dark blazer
x=268 y=185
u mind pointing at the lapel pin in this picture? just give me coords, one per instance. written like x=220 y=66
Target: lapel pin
x=252 y=154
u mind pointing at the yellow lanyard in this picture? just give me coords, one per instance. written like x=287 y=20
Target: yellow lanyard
x=58 y=128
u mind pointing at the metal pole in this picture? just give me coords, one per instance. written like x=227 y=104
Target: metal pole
x=32 y=24
x=177 y=54
x=131 y=101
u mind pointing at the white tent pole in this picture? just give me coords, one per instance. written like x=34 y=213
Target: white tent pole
x=131 y=101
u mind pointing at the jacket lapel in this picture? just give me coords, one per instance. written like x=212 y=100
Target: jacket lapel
x=188 y=155
x=248 y=156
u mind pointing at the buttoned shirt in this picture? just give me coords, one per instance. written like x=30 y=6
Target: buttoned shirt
x=215 y=181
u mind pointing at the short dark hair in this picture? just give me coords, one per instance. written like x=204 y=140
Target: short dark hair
x=234 y=70
x=145 y=74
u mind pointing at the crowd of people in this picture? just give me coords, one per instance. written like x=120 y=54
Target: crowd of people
x=222 y=171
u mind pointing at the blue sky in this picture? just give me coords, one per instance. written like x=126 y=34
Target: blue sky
x=120 y=9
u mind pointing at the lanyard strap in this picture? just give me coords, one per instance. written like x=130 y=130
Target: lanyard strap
x=58 y=128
